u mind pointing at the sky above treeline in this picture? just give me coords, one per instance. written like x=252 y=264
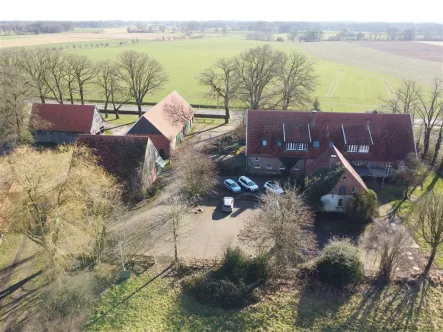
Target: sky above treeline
x=240 y=10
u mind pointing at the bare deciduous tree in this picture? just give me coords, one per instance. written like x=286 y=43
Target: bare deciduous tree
x=428 y=223
x=55 y=75
x=430 y=111
x=35 y=63
x=405 y=98
x=142 y=75
x=281 y=228
x=258 y=70
x=105 y=72
x=411 y=175
x=194 y=171
x=389 y=242
x=297 y=80
x=221 y=81
x=83 y=71
x=177 y=113
x=292 y=36
x=14 y=90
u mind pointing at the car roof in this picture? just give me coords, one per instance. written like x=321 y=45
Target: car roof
x=245 y=178
x=230 y=181
x=227 y=200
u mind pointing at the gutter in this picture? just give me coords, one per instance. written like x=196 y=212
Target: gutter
x=247 y=117
x=370 y=135
x=344 y=135
x=309 y=132
x=413 y=135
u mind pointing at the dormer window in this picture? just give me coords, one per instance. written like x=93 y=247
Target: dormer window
x=363 y=148
x=279 y=143
x=265 y=142
x=352 y=148
x=316 y=144
x=297 y=146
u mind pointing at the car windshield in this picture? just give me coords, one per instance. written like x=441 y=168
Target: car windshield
x=250 y=183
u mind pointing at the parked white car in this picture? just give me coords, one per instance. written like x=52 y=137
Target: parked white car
x=227 y=204
x=273 y=187
x=232 y=186
x=247 y=183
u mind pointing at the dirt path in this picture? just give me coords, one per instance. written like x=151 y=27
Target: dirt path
x=4 y=280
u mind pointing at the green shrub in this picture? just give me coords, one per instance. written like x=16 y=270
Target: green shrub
x=363 y=206
x=340 y=263
x=232 y=285
x=221 y=293
x=321 y=182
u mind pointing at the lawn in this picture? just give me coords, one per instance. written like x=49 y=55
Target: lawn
x=144 y=303
x=340 y=87
x=124 y=119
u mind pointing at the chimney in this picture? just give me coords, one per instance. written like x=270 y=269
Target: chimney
x=332 y=160
x=313 y=116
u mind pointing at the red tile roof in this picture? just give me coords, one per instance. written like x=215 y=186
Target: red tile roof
x=324 y=161
x=168 y=116
x=63 y=117
x=120 y=156
x=390 y=136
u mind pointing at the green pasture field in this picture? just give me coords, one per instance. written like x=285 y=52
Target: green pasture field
x=340 y=87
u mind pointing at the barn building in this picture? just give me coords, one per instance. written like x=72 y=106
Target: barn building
x=133 y=160
x=63 y=123
x=166 y=123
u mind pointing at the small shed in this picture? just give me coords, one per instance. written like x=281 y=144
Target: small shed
x=63 y=123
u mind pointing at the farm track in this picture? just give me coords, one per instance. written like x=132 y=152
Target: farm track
x=334 y=84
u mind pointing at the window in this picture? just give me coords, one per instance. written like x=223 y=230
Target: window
x=340 y=202
x=357 y=163
x=268 y=166
x=352 y=148
x=297 y=168
x=353 y=190
x=291 y=146
x=369 y=165
x=282 y=167
x=257 y=158
x=402 y=166
x=331 y=144
x=265 y=142
x=256 y=166
x=316 y=144
x=388 y=168
x=279 y=143
x=342 y=190
x=363 y=148
x=302 y=146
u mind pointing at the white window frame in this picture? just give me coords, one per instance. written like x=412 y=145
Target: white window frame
x=257 y=159
x=265 y=142
x=342 y=202
x=256 y=166
x=268 y=166
x=363 y=149
x=389 y=168
x=282 y=167
x=353 y=190
x=302 y=146
x=296 y=167
x=357 y=163
x=291 y=146
x=352 y=148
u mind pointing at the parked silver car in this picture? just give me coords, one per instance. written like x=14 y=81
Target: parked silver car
x=273 y=187
x=228 y=204
x=247 y=183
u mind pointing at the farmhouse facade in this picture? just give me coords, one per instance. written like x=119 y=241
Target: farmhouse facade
x=348 y=184
x=284 y=141
x=133 y=160
x=166 y=123
x=62 y=123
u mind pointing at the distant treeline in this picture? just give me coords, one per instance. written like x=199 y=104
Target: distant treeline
x=429 y=31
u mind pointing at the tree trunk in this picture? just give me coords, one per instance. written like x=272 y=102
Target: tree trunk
x=139 y=107
x=106 y=106
x=227 y=115
x=437 y=146
x=426 y=144
x=175 y=236
x=42 y=98
x=117 y=116
x=71 y=96
x=430 y=261
x=81 y=94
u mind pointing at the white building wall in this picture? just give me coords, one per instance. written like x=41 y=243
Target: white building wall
x=330 y=202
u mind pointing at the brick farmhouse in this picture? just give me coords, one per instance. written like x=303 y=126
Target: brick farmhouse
x=166 y=123
x=284 y=141
x=349 y=183
x=63 y=123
